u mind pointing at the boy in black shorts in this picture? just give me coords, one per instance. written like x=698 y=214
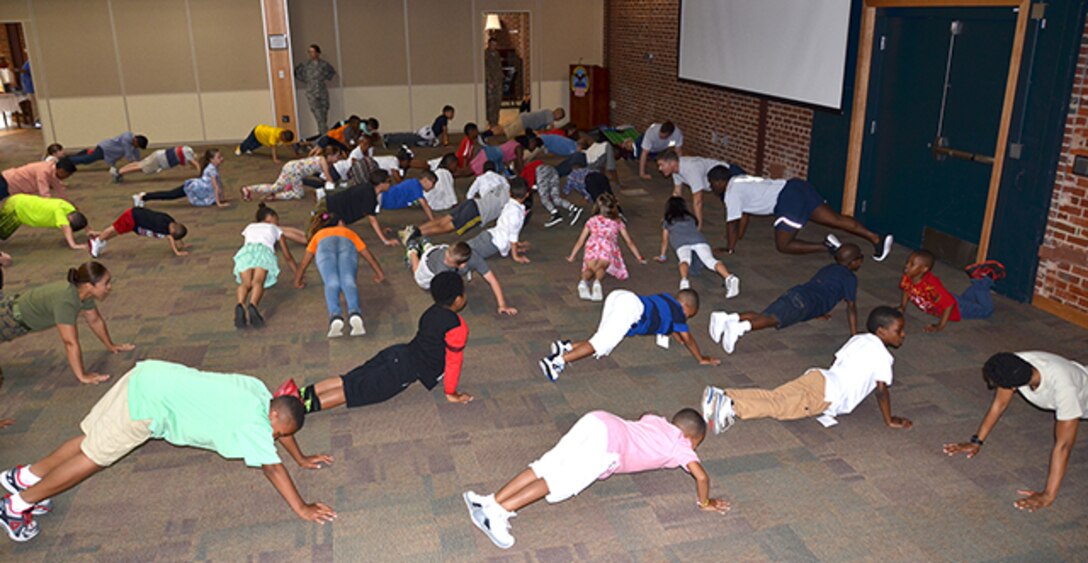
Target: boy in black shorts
x=434 y=354
x=144 y=222
x=814 y=298
x=792 y=203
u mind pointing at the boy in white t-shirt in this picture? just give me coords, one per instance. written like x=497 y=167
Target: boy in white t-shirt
x=598 y=446
x=861 y=365
x=1049 y=382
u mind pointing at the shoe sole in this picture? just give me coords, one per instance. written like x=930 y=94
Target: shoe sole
x=239 y=321
x=469 y=504
x=20 y=539
x=546 y=371
x=358 y=330
x=487 y=532
x=886 y=248
x=708 y=396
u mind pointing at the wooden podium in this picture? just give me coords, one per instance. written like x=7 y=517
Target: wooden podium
x=589 y=96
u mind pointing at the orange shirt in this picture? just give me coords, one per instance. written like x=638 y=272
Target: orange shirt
x=335 y=232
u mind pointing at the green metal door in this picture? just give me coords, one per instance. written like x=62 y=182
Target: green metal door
x=938 y=82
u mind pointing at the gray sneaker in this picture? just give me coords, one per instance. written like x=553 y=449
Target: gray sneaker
x=21 y=526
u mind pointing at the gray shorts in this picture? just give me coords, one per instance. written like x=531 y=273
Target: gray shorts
x=483 y=246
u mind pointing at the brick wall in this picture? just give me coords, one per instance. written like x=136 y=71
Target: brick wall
x=647 y=90
x=1063 y=259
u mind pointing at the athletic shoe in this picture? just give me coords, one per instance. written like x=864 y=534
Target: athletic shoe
x=10 y=480
x=832 y=243
x=336 y=328
x=408 y=233
x=718 y=321
x=685 y=284
x=730 y=336
x=319 y=194
x=22 y=527
x=554 y=220
x=598 y=292
x=138 y=199
x=356 y=322
x=583 y=291
x=239 y=316
x=116 y=175
x=494 y=521
x=97 y=246
x=883 y=248
x=560 y=347
x=238 y=150
x=724 y=415
x=710 y=399
x=575 y=215
x=987 y=269
x=255 y=318
x=552 y=366
x=732 y=286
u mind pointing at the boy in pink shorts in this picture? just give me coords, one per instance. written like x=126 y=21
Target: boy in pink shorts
x=598 y=446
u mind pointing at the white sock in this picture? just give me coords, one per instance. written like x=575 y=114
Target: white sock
x=25 y=478
x=18 y=504
x=744 y=326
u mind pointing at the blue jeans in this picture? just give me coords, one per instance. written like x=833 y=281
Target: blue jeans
x=86 y=157
x=338 y=262
x=250 y=143
x=976 y=302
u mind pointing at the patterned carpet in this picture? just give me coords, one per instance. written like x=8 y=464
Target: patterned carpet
x=858 y=491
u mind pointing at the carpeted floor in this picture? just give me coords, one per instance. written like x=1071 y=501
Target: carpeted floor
x=858 y=491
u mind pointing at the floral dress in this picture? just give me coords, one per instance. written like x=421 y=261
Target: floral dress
x=201 y=191
x=603 y=244
x=289 y=185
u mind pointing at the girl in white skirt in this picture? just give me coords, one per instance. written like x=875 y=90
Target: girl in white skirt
x=255 y=265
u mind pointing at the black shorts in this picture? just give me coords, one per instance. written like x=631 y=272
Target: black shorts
x=380 y=378
x=465 y=216
x=796 y=202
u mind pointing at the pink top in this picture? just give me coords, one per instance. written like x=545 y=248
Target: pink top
x=36 y=178
x=509 y=150
x=650 y=443
x=477 y=162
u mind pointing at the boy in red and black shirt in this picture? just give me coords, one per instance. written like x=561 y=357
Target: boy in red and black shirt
x=925 y=290
x=435 y=354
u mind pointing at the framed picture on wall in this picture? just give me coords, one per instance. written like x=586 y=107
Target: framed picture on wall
x=277 y=42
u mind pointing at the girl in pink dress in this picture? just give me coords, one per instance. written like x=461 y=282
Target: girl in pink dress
x=602 y=253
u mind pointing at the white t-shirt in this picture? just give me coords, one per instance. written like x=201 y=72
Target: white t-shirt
x=752 y=195
x=652 y=141
x=262 y=233
x=693 y=171
x=388 y=163
x=1063 y=385
x=859 y=365
x=442 y=196
x=488 y=182
x=508 y=227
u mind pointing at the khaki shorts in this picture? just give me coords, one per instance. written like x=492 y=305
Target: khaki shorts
x=514 y=127
x=154 y=162
x=110 y=431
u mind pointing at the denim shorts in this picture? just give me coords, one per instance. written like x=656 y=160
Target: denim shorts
x=793 y=307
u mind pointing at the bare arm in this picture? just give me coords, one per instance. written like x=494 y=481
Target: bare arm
x=939 y=326
x=70 y=337
x=301 y=271
x=69 y=237
x=275 y=154
x=374 y=224
x=306 y=461
x=426 y=208
x=578 y=244
x=281 y=480
x=1002 y=398
x=852 y=316
x=287 y=254
x=903 y=302
x=98 y=327
x=379 y=275
x=883 y=398
x=1065 y=435
x=702 y=490
x=689 y=342
x=642 y=164
x=732 y=235
x=217 y=184
x=176 y=246
x=631 y=244
x=496 y=288
x=664 y=245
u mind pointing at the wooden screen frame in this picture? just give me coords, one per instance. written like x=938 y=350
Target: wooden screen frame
x=861 y=100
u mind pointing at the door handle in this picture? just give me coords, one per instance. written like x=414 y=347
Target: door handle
x=939 y=151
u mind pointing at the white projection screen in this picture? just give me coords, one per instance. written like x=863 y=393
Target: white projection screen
x=789 y=49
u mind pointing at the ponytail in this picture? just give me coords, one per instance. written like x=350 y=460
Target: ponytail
x=88 y=272
x=321 y=220
x=207 y=158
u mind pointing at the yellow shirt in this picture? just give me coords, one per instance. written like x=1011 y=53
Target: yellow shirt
x=268 y=135
x=36 y=211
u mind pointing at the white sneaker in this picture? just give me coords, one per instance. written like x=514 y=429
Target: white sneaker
x=138 y=199
x=718 y=322
x=476 y=501
x=116 y=175
x=575 y=215
x=238 y=150
x=494 y=521
x=832 y=242
x=336 y=327
x=685 y=284
x=552 y=366
x=97 y=246
x=319 y=194
x=724 y=415
x=732 y=286
x=730 y=336
x=598 y=292
x=883 y=248
x=710 y=399
x=560 y=347
x=583 y=291
x=357 y=328
x=554 y=220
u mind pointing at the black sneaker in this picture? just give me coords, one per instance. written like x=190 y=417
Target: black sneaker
x=10 y=480
x=883 y=249
x=554 y=220
x=575 y=215
x=239 y=316
x=20 y=526
x=255 y=318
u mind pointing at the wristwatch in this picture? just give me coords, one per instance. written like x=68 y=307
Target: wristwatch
x=975 y=440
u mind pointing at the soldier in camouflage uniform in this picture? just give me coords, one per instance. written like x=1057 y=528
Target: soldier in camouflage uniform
x=313 y=74
x=493 y=78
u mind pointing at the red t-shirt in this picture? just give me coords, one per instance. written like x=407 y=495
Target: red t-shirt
x=930 y=295
x=529 y=172
x=464 y=152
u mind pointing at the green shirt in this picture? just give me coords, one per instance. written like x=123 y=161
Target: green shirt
x=225 y=413
x=51 y=304
x=37 y=211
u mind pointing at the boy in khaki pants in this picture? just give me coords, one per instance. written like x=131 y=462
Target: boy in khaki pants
x=861 y=365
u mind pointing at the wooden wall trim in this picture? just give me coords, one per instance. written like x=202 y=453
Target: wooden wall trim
x=857 y=116
x=281 y=72
x=1060 y=310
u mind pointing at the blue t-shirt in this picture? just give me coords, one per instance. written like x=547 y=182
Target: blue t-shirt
x=559 y=145
x=833 y=283
x=440 y=123
x=402 y=195
x=661 y=314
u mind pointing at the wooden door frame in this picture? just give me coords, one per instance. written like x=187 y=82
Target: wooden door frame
x=861 y=99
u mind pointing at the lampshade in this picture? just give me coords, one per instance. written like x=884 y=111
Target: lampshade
x=492 y=23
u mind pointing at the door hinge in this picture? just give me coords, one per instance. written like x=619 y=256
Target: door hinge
x=872 y=127
x=864 y=205
x=882 y=40
x=1038 y=11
